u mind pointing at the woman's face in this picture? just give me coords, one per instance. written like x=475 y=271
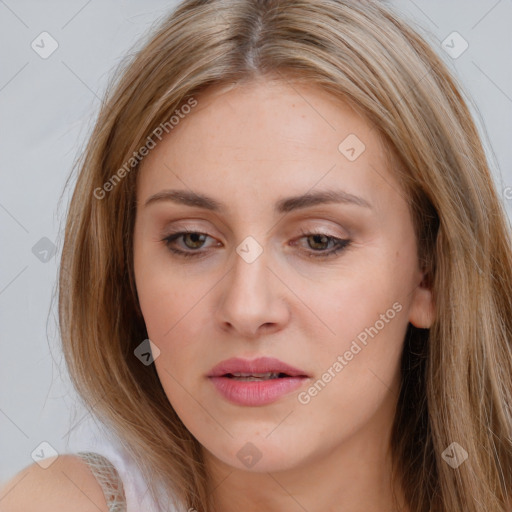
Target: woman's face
x=263 y=276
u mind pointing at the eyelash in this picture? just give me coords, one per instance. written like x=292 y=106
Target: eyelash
x=340 y=244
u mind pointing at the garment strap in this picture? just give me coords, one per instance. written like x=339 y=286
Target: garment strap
x=108 y=478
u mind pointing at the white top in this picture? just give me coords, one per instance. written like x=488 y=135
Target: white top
x=108 y=478
x=119 y=476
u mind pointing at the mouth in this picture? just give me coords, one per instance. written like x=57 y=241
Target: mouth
x=262 y=368
x=248 y=377
x=257 y=382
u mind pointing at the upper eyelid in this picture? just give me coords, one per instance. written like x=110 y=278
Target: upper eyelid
x=344 y=229
x=303 y=232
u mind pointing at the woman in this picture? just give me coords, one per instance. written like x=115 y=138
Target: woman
x=286 y=275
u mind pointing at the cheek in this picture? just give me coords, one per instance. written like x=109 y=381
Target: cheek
x=171 y=316
x=358 y=369
x=172 y=305
x=369 y=330
x=167 y=295
x=160 y=304
x=366 y=312
x=356 y=300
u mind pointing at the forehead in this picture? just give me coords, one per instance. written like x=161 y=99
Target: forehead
x=269 y=138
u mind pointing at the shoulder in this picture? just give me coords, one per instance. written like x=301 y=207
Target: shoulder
x=68 y=483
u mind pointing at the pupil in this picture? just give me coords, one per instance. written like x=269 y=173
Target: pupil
x=316 y=237
x=194 y=236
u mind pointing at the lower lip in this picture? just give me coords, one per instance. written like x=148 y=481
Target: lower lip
x=253 y=393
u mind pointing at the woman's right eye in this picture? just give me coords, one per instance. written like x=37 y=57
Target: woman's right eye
x=194 y=238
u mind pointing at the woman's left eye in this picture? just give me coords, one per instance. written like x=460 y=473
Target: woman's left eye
x=194 y=240
x=322 y=239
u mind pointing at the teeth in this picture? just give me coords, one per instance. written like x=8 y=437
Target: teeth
x=256 y=376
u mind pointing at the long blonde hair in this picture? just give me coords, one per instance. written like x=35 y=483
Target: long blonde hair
x=456 y=376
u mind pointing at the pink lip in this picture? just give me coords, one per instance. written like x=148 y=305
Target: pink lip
x=254 y=393
x=258 y=365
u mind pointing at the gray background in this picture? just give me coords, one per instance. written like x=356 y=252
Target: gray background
x=47 y=107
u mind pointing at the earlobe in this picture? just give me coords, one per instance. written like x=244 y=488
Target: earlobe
x=422 y=312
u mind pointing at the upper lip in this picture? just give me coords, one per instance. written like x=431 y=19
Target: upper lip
x=258 y=365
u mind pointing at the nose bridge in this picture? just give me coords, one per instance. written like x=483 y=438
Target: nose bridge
x=250 y=276
x=251 y=294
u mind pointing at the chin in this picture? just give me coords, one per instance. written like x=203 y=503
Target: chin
x=258 y=455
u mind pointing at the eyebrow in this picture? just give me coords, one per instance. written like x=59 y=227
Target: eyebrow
x=288 y=204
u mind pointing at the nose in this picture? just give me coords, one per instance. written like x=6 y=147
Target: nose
x=252 y=299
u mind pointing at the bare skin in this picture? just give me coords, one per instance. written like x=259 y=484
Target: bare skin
x=68 y=480
x=249 y=147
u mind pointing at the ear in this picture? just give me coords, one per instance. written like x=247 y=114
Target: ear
x=422 y=312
